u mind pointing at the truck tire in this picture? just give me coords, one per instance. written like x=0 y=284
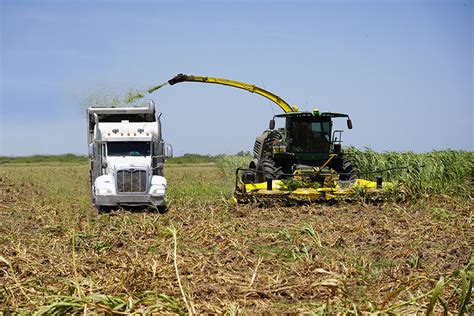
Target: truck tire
x=102 y=209
x=162 y=209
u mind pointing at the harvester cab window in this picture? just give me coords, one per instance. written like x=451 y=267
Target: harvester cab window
x=321 y=129
x=128 y=149
x=310 y=136
x=316 y=127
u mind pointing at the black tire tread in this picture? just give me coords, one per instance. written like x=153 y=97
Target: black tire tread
x=249 y=176
x=270 y=171
x=347 y=170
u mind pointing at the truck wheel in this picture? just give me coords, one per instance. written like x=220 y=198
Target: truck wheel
x=162 y=209
x=101 y=209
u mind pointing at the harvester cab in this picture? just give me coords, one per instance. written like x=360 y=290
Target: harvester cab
x=310 y=132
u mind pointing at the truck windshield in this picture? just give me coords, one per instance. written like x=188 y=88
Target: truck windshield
x=128 y=148
x=310 y=136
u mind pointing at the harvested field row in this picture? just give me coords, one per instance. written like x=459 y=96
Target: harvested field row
x=58 y=255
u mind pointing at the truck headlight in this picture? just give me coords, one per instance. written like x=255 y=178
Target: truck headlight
x=103 y=191
x=158 y=191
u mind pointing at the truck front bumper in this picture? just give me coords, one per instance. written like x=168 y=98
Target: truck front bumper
x=129 y=200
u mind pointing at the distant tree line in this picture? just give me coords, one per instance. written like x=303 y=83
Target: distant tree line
x=73 y=158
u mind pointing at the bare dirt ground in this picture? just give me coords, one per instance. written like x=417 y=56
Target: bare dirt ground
x=58 y=255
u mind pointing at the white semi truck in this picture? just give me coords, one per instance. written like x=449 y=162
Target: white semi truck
x=127 y=154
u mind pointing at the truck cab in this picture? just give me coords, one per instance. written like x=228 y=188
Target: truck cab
x=127 y=154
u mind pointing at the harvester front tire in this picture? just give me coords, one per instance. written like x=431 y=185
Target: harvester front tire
x=249 y=176
x=346 y=170
x=268 y=171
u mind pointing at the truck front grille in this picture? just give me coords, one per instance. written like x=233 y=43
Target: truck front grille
x=131 y=181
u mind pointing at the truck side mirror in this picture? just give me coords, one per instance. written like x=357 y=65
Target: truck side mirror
x=272 y=124
x=168 y=151
x=349 y=123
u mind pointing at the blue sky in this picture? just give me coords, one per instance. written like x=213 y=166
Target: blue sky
x=403 y=70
